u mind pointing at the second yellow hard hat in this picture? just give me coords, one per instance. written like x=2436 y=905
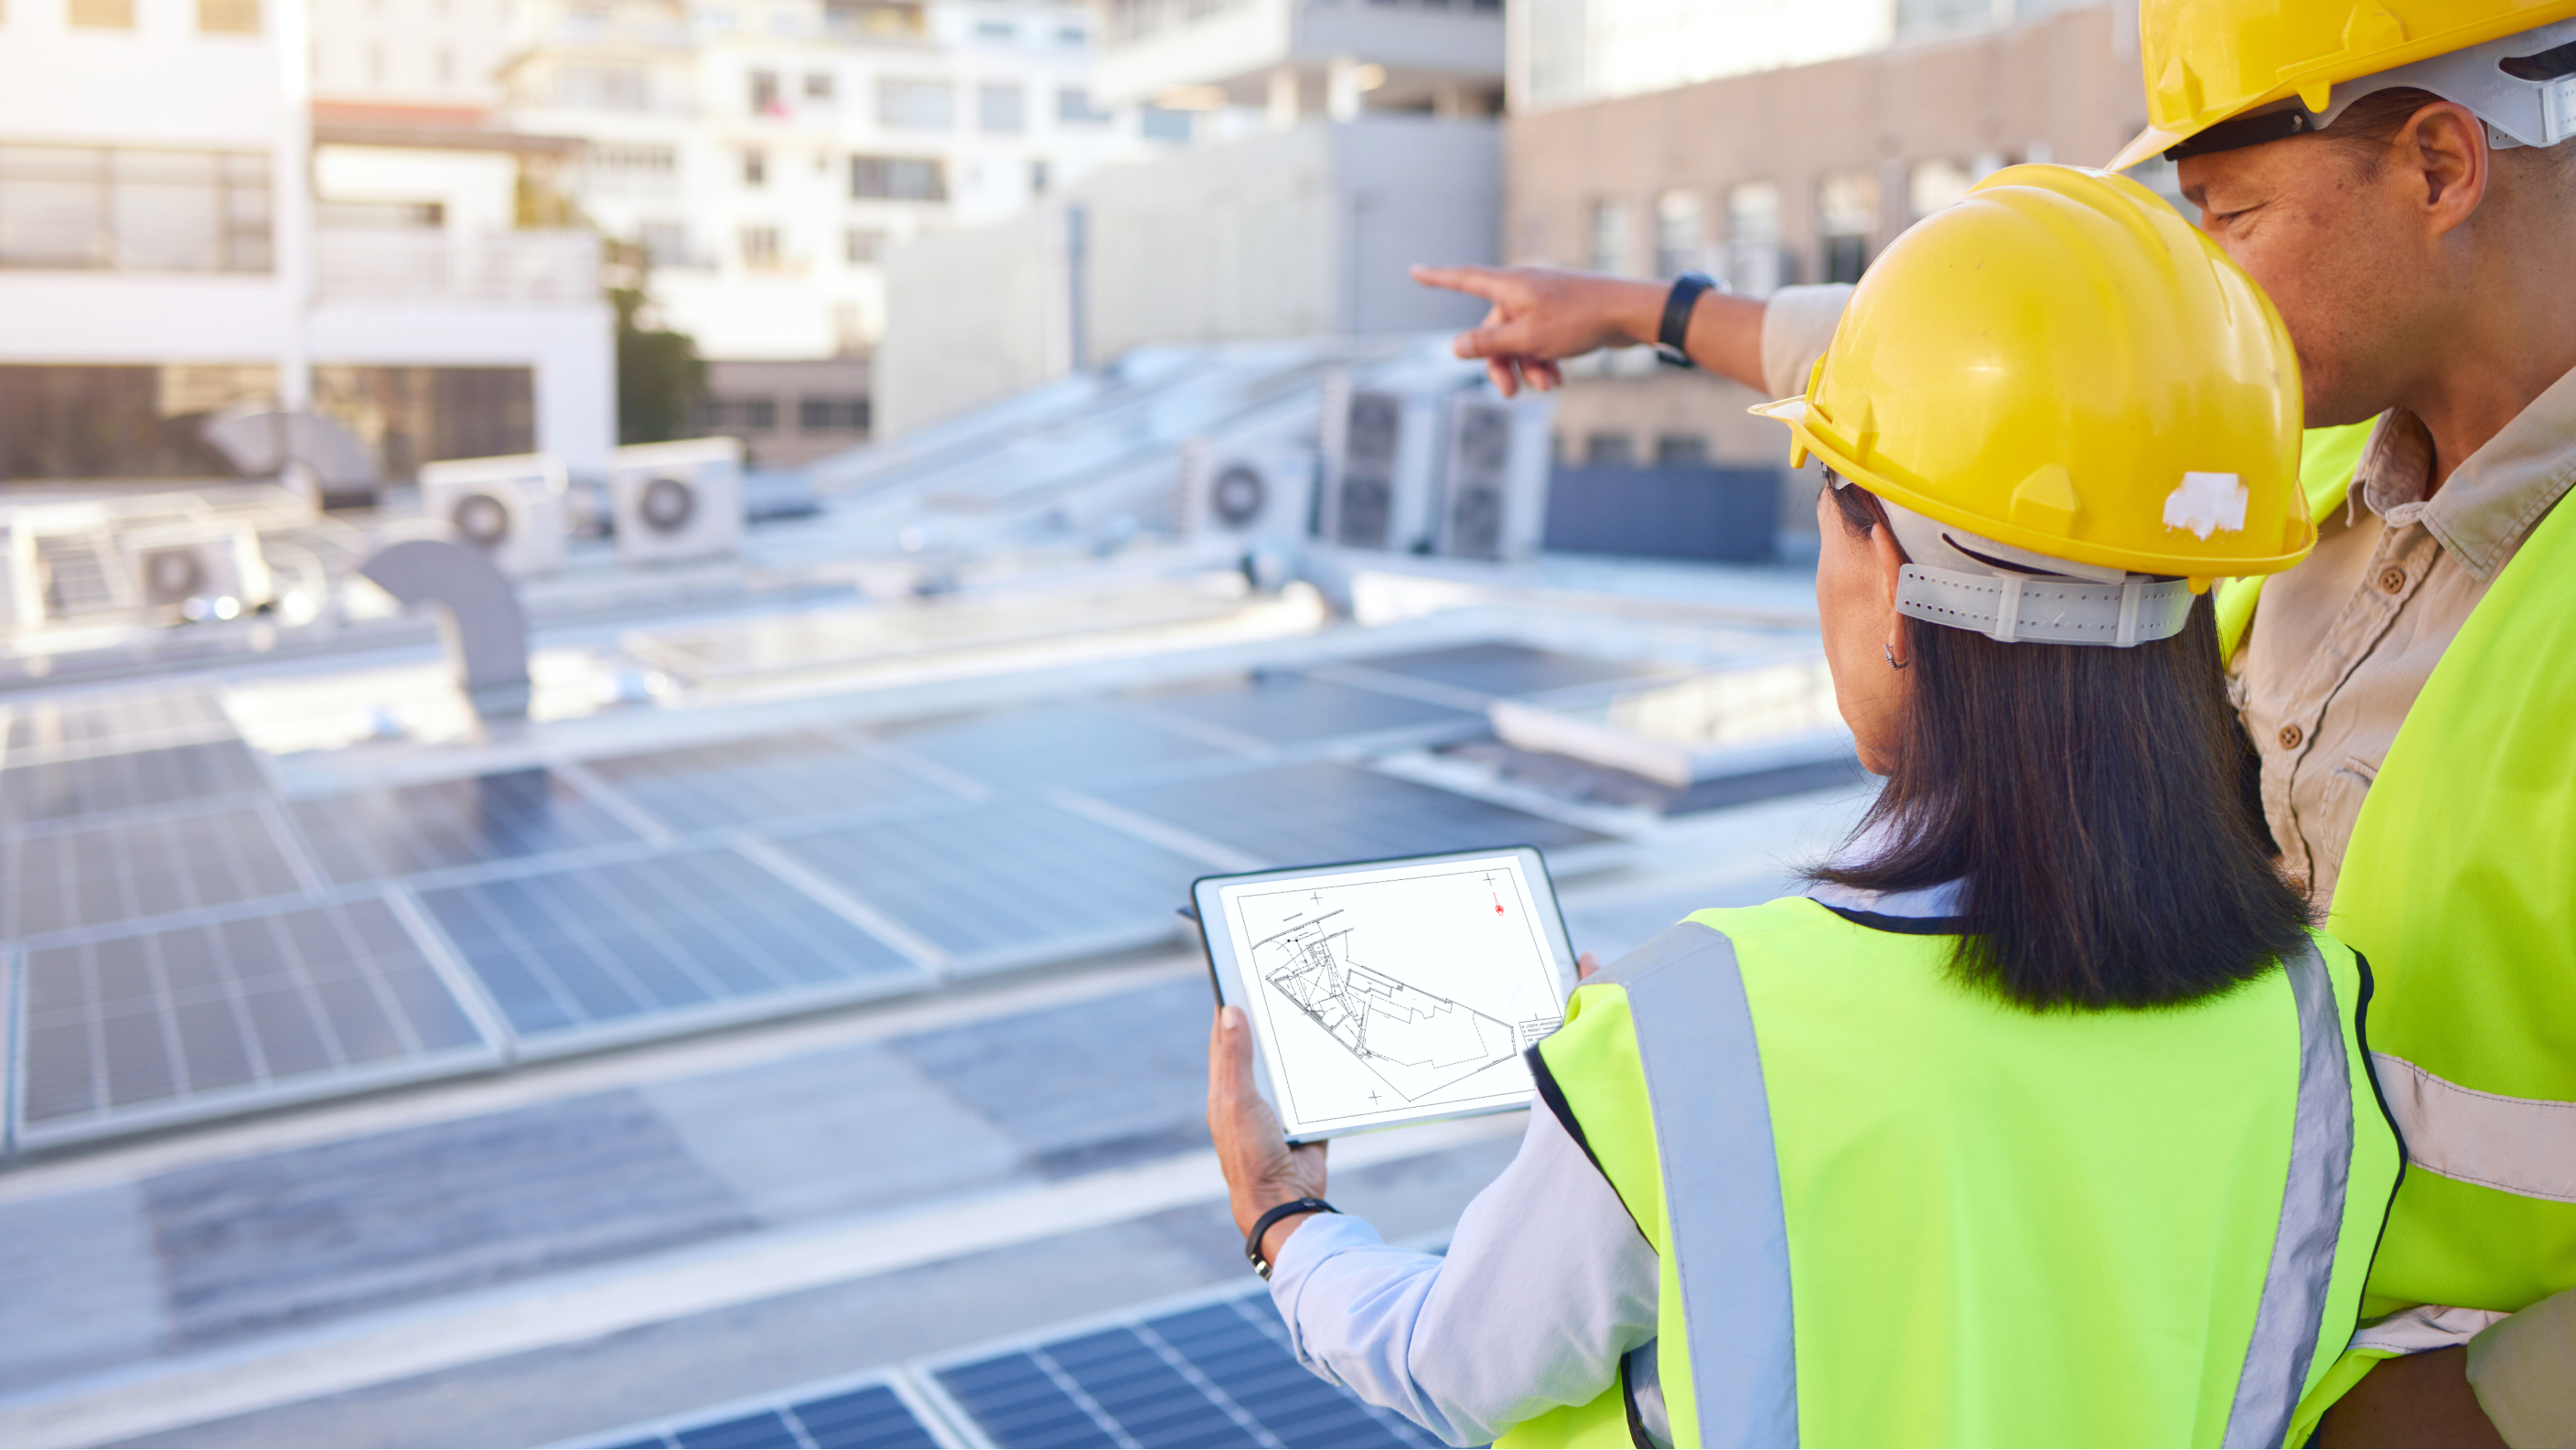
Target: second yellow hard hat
x=2060 y=362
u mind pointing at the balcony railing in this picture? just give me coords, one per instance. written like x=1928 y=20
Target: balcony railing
x=541 y=267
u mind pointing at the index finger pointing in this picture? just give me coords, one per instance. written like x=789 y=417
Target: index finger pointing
x=1486 y=282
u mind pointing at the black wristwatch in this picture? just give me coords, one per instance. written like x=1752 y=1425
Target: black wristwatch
x=1672 y=337
x=1261 y=1225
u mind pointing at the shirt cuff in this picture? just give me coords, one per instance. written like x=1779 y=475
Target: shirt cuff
x=2519 y=1369
x=1797 y=326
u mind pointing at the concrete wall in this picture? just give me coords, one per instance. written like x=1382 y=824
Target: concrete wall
x=1299 y=233
x=2063 y=88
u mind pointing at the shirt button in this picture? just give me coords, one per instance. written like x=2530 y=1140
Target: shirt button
x=2291 y=735
x=2392 y=580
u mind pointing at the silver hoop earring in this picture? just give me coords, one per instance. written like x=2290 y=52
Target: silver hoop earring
x=1890 y=651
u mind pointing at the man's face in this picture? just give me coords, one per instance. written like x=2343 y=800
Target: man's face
x=2325 y=241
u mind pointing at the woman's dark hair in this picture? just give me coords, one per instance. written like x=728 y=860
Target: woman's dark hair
x=2090 y=803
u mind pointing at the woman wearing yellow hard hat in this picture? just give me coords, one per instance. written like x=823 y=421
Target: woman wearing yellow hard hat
x=2043 y=1116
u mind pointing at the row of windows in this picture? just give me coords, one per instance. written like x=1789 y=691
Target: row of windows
x=761 y=415
x=907 y=104
x=1849 y=215
x=95 y=208
x=214 y=17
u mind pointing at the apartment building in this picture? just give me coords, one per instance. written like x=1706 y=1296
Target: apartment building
x=765 y=155
x=1775 y=175
x=162 y=257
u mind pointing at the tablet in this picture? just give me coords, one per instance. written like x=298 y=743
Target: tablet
x=1388 y=992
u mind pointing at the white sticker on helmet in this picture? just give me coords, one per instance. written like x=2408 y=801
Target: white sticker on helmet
x=2206 y=503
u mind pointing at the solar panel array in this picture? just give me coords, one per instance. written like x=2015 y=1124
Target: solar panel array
x=1217 y=1372
x=184 y=942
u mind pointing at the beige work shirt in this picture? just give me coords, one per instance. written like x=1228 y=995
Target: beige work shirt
x=2339 y=649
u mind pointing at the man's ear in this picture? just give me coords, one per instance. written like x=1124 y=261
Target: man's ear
x=2442 y=149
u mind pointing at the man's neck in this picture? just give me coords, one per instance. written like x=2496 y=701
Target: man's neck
x=2513 y=336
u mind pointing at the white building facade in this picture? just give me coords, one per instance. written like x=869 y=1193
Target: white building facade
x=162 y=256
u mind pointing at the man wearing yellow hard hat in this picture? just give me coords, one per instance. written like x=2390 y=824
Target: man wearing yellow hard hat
x=2041 y=1115
x=2396 y=176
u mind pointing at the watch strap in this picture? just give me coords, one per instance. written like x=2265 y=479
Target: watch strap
x=1261 y=1225
x=1674 y=333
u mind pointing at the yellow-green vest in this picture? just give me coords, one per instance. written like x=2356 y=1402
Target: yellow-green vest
x=1890 y=1209
x=2459 y=886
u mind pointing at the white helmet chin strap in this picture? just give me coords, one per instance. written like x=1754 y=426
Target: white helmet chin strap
x=1968 y=581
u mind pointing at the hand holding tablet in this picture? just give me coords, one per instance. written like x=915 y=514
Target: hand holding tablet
x=1390 y=992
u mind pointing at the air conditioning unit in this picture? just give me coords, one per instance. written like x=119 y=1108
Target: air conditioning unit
x=1493 y=504
x=1238 y=491
x=511 y=508
x=674 y=501
x=196 y=571
x=1379 y=446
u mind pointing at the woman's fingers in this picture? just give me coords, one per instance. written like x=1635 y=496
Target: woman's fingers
x=1585 y=965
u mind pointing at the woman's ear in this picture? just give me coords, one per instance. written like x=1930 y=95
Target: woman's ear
x=1889 y=563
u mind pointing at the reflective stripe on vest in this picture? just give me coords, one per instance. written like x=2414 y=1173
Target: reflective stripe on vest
x=1730 y=1243
x=2312 y=1200
x=2525 y=1146
x=1704 y=1071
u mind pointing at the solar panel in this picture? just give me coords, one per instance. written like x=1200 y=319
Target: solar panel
x=1008 y=882
x=189 y=1021
x=33 y=791
x=90 y=723
x=57 y=880
x=779 y=778
x=1293 y=709
x=655 y=946
x=1323 y=811
x=406 y=829
x=1504 y=669
x=1214 y=1375
x=828 y=1417
x=1078 y=745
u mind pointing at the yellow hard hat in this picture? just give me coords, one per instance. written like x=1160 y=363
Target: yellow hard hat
x=2209 y=61
x=2061 y=363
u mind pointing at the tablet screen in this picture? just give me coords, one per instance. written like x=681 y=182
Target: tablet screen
x=1385 y=992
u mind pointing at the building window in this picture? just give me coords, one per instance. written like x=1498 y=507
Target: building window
x=1001 y=110
x=77 y=207
x=831 y=415
x=1753 y=256
x=379 y=216
x=603 y=88
x=760 y=248
x=409 y=416
x=916 y=105
x=765 y=99
x=102 y=14
x=863 y=246
x=1073 y=107
x=666 y=244
x=1001 y=30
x=1932 y=185
x=228 y=17
x=1038 y=178
x=74 y=421
x=755 y=168
x=818 y=87
x=1681 y=450
x=897 y=178
x=1681 y=233
x=1609 y=450
x=1072 y=35
x=613 y=167
x=1163 y=123
x=1609 y=237
x=1846 y=220
x=738 y=415
x=446 y=67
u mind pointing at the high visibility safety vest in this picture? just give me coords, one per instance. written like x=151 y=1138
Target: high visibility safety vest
x=1890 y=1209
x=2459 y=886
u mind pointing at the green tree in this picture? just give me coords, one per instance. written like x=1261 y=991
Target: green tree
x=660 y=377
